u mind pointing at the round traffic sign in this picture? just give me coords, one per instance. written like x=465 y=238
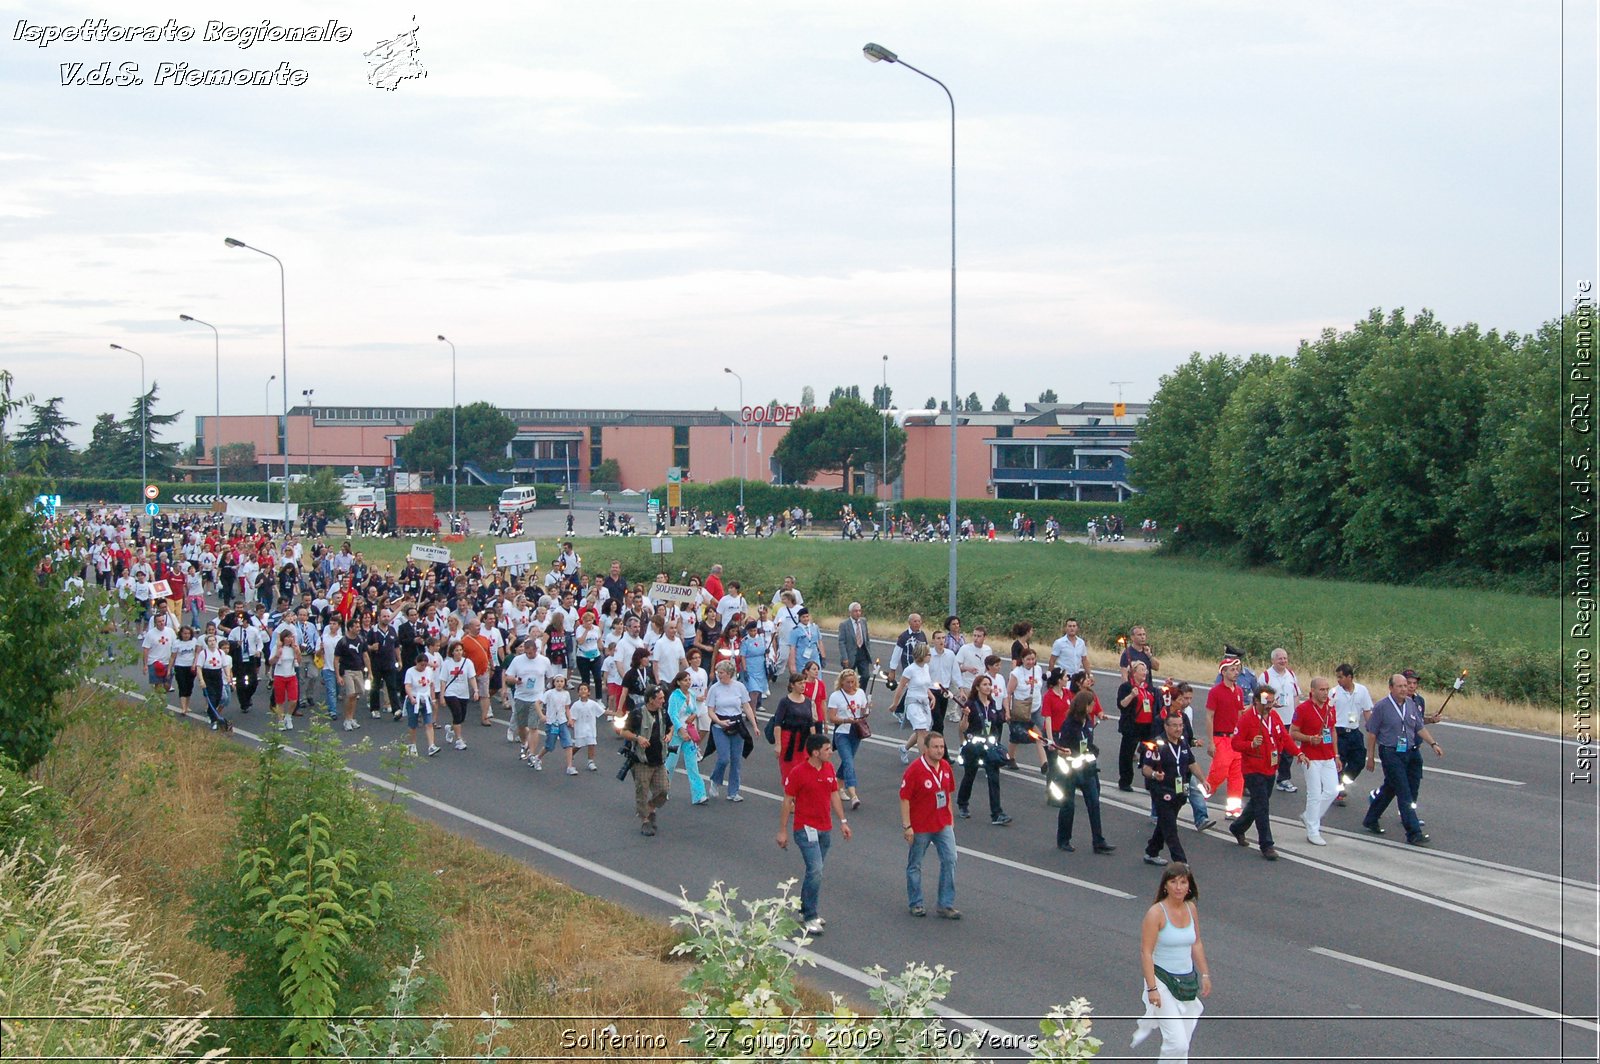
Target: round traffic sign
x=151 y=491
x=152 y=508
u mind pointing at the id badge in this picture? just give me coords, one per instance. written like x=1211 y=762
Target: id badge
x=1402 y=745
x=1274 y=759
x=811 y=833
x=1180 y=787
x=1327 y=735
x=940 y=799
x=1083 y=747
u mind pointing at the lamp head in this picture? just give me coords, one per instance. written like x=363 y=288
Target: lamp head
x=441 y=336
x=877 y=53
x=116 y=347
x=184 y=317
x=232 y=243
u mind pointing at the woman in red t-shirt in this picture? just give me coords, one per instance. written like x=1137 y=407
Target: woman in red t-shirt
x=1057 y=699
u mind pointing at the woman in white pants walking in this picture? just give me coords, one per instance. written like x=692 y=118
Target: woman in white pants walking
x=1176 y=975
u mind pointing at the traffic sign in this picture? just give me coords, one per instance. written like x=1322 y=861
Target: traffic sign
x=674 y=474
x=151 y=492
x=152 y=508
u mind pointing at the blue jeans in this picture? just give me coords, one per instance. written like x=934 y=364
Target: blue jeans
x=847 y=743
x=330 y=691
x=944 y=842
x=1401 y=775
x=1197 y=805
x=730 y=755
x=815 y=854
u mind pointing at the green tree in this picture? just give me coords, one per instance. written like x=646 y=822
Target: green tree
x=160 y=457
x=609 y=471
x=237 y=457
x=1243 y=491
x=1048 y=396
x=1171 y=461
x=808 y=397
x=931 y=404
x=321 y=492
x=882 y=397
x=845 y=436
x=42 y=443
x=45 y=631
x=841 y=392
x=974 y=405
x=482 y=433
x=1002 y=402
x=102 y=458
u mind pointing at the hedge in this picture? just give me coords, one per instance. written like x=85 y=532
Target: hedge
x=79 y=489
x=761 y=499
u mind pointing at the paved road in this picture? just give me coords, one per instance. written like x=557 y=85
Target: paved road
x=1364 y=949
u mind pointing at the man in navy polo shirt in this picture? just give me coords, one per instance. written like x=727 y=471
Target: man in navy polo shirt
x=1393 y=732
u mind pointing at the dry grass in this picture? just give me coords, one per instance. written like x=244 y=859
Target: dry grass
x=149 y=802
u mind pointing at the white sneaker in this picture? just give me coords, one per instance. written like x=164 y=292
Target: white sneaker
x=355 y=725
x=288 y=724
x=432 y=750
x=449 y=733
x=1316 y=840
x=711 y=788
x=593 y=767
x=349 y=725
x=411 y=750
x=735 y=797
x=813 y=927
x=905 y=755
x=571 y=771
x=538 y=764
x=376 y=713
x=511 y=735
x=461 y=744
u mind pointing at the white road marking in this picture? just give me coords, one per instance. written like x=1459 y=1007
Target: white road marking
x=1433 y=771
x=1493 y=999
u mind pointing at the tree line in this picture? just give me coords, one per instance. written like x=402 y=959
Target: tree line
x=1395 y=451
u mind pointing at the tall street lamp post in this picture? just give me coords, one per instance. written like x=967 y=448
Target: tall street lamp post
x=311 y=417
x=877 y=53
x=283 y=371
x=883 y=470
x=216 y=458
x=743 y=460
x=266 y=404
x=144 y=409
x=452 y=424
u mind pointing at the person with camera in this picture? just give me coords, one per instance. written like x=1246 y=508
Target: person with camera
x=649 y=732
x=811 y=798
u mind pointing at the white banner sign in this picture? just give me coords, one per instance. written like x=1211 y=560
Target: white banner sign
x=430 y=554
x=508 y=555
x=261 y=511
x=661 y=545
x=682 y=593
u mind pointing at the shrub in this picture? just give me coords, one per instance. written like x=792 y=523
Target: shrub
x=235 y=917
x=30 y=816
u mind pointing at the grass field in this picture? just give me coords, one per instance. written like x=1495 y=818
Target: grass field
x=1510 y=643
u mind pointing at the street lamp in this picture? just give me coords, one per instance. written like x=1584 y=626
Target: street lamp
x=453 y=425
x=306 y=394
x=266 y=400
x=283 y=320
x=883 y=470
x=144 y=410
x=876 y=53
x=743 y=459
x=216 y=337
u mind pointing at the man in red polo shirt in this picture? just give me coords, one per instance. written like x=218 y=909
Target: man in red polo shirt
x=1313 y=729
x=1225 y=705
x=1262 y=740
x=926 y=792
x=811 y=795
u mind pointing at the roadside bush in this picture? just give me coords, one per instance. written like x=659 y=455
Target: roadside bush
x=30 y=816
x=234 y=914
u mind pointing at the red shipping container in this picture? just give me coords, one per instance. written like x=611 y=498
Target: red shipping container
x=413 y=511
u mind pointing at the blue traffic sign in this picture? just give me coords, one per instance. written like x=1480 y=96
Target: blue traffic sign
x=152 y=508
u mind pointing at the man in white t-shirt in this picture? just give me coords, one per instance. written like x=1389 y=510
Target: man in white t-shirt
x=970 y=659
x=157 y=648
x=788 y=585
x=1286 y=685
x=732 y=603
x=526 y=675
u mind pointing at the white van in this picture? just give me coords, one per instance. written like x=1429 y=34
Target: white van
x=516 y=500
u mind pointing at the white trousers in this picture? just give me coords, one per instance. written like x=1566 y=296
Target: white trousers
x=1322 y=787
x=1175 y=1020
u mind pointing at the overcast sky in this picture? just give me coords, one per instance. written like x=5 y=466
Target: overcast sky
x=606 y=203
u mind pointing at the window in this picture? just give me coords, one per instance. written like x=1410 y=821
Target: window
x=680 y=446
x=596 y=448
x=1004 y=431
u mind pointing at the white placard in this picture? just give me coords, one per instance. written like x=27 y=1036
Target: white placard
x=430 y=554
x=674 y=593
x=509 y=555
x=161 y=589
x=660 y=544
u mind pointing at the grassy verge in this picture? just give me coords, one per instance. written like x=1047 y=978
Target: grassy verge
x=1508 y=642
x=149 y=803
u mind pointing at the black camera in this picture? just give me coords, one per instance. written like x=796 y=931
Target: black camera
x=630 y=758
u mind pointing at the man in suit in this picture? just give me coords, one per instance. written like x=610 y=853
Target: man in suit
x=855 y=646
